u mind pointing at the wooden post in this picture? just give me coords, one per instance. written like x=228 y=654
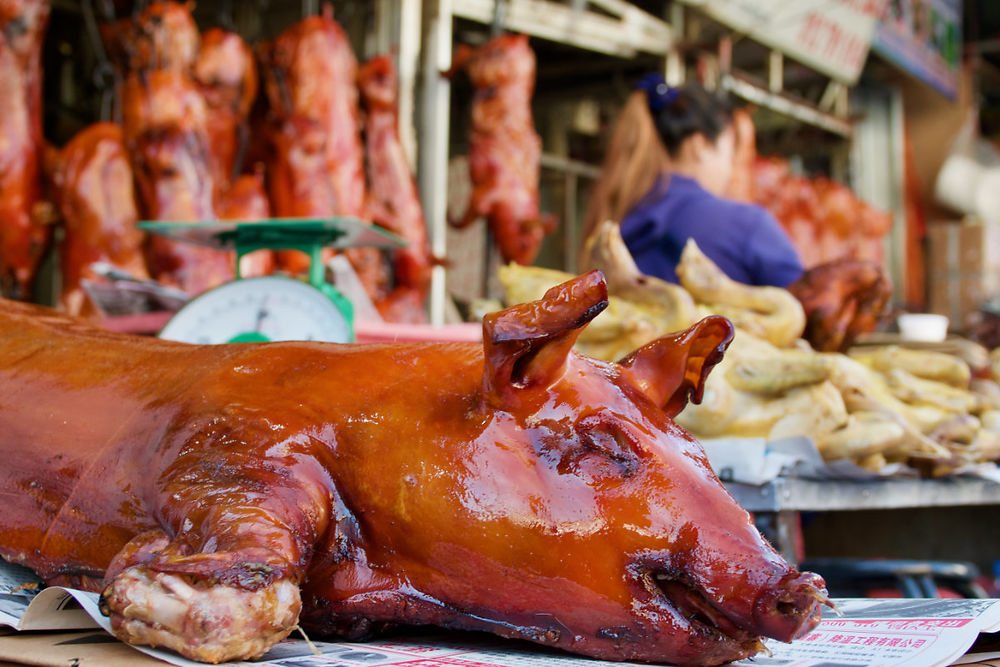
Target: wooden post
x=433 y=149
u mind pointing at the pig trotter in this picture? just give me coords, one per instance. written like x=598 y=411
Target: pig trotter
x=209 y=623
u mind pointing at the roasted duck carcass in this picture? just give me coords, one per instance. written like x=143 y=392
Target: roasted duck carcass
x=842 y=300
x=310 y=77
x=540 y=494
x=24 y=233
x=504 y=149
x=93 y=190
x=394 y=202
x=165 y=131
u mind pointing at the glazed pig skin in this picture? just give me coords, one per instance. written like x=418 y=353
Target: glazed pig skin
x=225 y=492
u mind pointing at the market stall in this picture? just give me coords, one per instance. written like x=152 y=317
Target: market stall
x=218 y=201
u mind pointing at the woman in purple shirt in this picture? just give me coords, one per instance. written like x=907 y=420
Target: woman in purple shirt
x=668 y=163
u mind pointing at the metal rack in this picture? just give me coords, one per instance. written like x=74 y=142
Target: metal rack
x=777 y=503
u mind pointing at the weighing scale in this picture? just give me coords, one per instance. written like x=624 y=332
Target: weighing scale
x=271 y=308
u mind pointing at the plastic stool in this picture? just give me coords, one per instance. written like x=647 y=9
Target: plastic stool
x=854 y=577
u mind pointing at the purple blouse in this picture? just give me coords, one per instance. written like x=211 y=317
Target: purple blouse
x=744 y=240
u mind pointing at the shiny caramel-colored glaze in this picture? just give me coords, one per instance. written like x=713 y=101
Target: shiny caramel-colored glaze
x=24 y=235
x=394 y=202
x=94 y=193
x=516 y=487
x=504 y=149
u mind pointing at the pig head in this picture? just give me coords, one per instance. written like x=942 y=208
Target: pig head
x=225 y=493
x=560 y=504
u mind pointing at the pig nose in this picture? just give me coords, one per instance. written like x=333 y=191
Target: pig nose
x=792 y=607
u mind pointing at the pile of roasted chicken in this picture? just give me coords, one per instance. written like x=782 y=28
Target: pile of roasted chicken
x=931 y=410
x=197 y=143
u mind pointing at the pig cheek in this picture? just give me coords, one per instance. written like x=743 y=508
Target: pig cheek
x=702 y=537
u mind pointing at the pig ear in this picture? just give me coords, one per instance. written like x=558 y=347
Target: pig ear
x=672 y=370
x=527 y=345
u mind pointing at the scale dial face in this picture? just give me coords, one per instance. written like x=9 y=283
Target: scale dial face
x=269 y=308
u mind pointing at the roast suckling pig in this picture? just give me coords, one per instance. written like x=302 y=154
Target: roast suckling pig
x=394 y=202
x=504 y=149
x=23 y=232
x=93 y=190
x=223 y=493
x=310 y=77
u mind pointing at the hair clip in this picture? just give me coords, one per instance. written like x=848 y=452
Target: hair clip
x=659 y=94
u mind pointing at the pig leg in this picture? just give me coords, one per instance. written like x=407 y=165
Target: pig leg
x=202 y=620
x=221 y=580
x=480 y=202
x=518 y=240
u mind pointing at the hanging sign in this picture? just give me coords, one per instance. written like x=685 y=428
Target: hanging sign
x=830 y=36
x=924 y=37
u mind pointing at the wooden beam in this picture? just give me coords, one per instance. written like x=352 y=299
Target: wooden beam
x=432 y=177
x=633 y=31
x=744 y=87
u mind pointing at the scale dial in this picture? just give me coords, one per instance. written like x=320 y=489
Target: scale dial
x=269 y=308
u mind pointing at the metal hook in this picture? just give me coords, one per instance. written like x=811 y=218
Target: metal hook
x=499 y=17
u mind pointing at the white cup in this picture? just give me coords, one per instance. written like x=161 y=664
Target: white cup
x=925 y=327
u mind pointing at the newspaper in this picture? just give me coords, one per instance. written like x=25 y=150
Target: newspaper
x=869 y=633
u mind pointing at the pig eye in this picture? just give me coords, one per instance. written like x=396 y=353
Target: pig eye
x=607 y=447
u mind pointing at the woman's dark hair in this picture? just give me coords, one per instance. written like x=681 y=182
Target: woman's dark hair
x=634 y=161
x=681 y=112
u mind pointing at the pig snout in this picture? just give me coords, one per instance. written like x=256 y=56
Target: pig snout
x=780 y=605
x=792 y=608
